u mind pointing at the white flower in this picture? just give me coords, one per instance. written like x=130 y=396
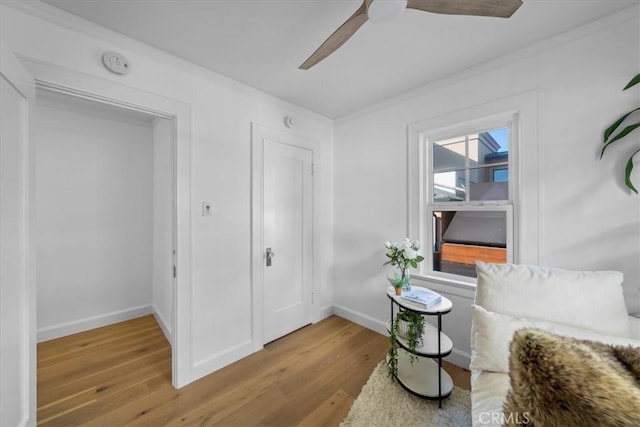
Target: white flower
x=410 y=253
x=406 y=244
x=403 y=254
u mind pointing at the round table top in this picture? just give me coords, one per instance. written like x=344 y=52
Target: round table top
x=444 y=306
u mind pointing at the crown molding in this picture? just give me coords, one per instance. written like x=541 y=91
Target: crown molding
x=554 y=42
x=74 y=23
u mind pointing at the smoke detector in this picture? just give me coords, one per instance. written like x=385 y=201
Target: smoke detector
x=116 y=63
x=289 y=122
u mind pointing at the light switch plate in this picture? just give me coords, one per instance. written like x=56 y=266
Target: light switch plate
x=207 y=209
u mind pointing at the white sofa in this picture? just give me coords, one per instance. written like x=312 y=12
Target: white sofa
x=584 y=305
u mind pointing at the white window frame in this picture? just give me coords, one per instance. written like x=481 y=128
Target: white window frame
x=519 y=113
x=428 y=138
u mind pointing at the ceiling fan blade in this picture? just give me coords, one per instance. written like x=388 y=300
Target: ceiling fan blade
x=338 y=38
x=495 y=8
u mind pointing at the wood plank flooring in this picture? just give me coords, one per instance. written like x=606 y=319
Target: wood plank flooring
x=121 y=375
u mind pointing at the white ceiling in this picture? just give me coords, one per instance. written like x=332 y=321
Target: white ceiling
x=262 y=42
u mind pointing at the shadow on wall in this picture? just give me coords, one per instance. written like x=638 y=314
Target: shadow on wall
x=593 y=252
x=358 y=269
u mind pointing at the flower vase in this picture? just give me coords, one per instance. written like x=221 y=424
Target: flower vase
x=407 y=280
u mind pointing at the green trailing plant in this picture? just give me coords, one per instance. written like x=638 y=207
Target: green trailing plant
x=610 y=136
x=415 y=328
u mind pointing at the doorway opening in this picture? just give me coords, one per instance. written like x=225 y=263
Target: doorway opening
x=105 y=215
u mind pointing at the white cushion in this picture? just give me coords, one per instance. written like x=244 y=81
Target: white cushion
x=489 y=392
x=583 y=299
x=492 y=334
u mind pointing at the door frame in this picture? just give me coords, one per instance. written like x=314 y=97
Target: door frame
x=22 y=81
x=258 y=134
x=62 y=80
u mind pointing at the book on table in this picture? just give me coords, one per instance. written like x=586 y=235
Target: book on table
x=423 y=297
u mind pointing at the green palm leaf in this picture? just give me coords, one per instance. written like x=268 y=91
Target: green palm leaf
x=634 y=81
x=627 y=173
x=626 y=131
x=614 y=126
x=609 y=136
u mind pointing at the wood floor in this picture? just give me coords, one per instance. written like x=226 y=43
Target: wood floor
x=121 y=375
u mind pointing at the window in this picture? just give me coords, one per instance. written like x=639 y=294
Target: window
x=465 y=200
x=469 y=207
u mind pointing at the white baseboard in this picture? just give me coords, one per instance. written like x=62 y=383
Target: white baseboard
x=163 y=325
x=68 y=328
x=324 y=313
x=361 y=319
x=457 y=357
x=221 y=359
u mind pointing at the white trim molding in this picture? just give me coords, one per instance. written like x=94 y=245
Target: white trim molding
x=52 y=77
x=23 y=288
x=258 y=134
x=361 y=319
x=92 y=322
x=87 y=28
x=615 y=20
x=162 y=322
x=457 y=357
x=525 y=168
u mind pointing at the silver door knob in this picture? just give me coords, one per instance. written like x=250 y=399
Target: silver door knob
x=270 y=255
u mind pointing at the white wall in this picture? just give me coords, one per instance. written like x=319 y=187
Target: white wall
x=586 y=219
x=94 y=182
x=221 y=113
x=579 y=78
x=162 y=268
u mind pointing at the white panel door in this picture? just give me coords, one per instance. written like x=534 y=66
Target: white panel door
x=288 y=204
x=17 y=302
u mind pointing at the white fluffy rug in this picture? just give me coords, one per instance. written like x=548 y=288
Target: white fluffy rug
x=384 y=403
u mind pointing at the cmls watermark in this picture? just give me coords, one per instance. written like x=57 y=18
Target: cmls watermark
x=500 y=418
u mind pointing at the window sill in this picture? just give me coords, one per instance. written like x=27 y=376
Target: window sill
x=457 y=287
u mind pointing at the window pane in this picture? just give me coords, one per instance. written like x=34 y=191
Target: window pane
x=449 y=186
x=501 y=175
x=449 y=154
x=483 y=186
x=501 y=137
x=472 y=167
x=462 y=237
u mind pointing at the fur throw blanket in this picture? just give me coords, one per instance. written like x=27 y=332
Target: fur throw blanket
x=558 y=381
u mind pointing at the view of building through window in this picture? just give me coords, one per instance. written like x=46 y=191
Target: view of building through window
x=463 y=236
x=472 y=167
x=467 y=171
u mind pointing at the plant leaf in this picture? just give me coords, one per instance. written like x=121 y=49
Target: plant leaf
x=634 y=81
x=627 y=172
x=614 y=126
x=624 y=132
